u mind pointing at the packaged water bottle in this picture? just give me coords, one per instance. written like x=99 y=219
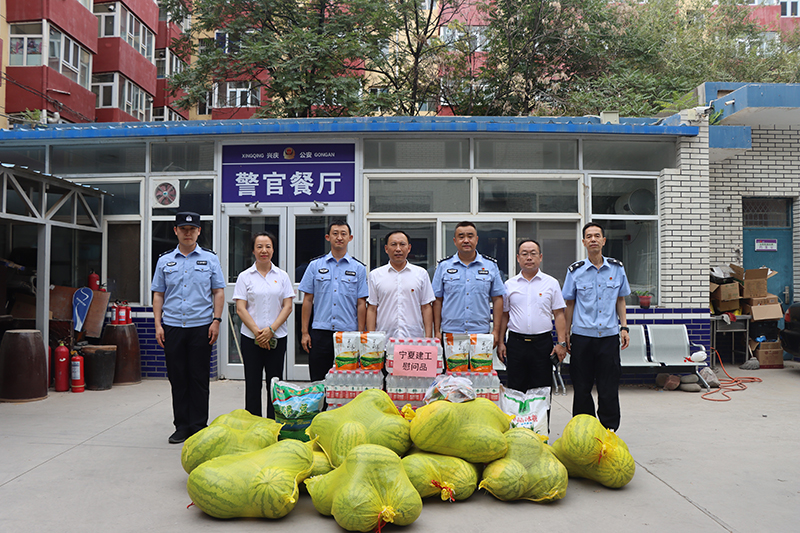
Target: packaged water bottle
x=389 y=360
x=329 y=385
x=494 y=391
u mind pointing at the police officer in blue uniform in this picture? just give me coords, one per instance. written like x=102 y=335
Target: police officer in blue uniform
x=594 y=291
x=463 y=285
x=335 y=287
x=188 y=299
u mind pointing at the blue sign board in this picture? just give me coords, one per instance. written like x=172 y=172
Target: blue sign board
x=284 y=173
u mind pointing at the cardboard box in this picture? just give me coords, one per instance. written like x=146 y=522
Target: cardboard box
x=726 y=292
x=766 y=300
x=725 y=306
x=753 y=280
x=769 y=354
x=763 y=312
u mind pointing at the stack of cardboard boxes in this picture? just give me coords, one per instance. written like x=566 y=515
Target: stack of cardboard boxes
x=747 y=294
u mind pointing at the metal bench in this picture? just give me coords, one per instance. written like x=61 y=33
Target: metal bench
x=671 y=349
x=634 y=356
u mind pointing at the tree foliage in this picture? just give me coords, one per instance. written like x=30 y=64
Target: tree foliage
x=669 y=47
x=477 y=57
x=304 y=55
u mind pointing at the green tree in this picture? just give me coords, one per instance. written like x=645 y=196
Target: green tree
x=306 y=56
x=405 y=66
x=536 y=49
x=669 y=47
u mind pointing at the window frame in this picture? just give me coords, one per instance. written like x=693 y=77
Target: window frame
x=25 y=38
x=656 y=217
x=144 y=281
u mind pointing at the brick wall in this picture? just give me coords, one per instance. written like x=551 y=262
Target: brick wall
x=153 y=364
x=770 y=169
x=684 y=237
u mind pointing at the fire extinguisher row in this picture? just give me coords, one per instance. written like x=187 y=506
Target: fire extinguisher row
x=121 y=313
x=68 y=371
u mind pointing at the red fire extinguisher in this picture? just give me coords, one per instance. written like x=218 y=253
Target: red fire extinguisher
x=62 y=368
x=94 y=281
x=77 y=372
x=122 y=313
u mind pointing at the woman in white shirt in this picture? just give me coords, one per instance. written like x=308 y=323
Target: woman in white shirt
x=263 y=296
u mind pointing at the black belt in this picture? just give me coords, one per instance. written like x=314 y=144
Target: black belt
x=529 y=337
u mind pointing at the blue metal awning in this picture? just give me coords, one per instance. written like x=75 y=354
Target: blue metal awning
x=352 y=125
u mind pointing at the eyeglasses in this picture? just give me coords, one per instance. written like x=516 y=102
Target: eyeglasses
x=526 y=254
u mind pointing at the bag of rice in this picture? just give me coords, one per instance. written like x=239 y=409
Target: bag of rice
x=456 y=351
x=481 y=352
x=296 y=406
x=372 y=349
x=346 y=345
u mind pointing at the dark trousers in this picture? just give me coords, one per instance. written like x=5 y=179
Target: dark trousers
x=528 y=362
x=257 y=361
x=188 y=356
x=320 y=357
x=595 y=361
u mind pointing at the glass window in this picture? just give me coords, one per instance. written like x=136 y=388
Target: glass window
x=309 y=242
x=108 y=158
x=26 y=157
x=766 y=212
x=125 y=200
x=103 y=88
x=492 y=241
x=196 y=195
x=635 y=243
x=181 y=157
x=423 y=243
x=73 y=254
x=558 y=241
x=15 y=204
x=624 y=196
x=421 y=153
x=419 y=195
x=240 y=244
x=123 y=278
x=628 y=155
x=526 y=155
x=528 y=196
x=164 y=238
x=26 y=44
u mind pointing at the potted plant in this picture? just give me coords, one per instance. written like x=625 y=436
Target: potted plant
x=644 y=298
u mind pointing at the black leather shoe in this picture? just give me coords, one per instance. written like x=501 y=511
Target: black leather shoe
x=177 y=437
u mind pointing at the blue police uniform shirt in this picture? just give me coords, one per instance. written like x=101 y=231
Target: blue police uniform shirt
x=595 y=291
x=187 y=282
x=336 y=286
x=466 y=291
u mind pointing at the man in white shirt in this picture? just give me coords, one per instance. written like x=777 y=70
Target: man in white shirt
x=400 y=294
x=531 y=303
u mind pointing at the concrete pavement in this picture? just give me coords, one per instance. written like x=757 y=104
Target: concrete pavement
x=100 y=461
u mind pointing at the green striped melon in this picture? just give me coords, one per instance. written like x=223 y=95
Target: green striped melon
x=441 y=475
x=233 y=433
x=529 y=470
x=319 y=467
x=595 y=453
x=471 y=430
x=369 y=489
x=259 y=484
x=370 y=418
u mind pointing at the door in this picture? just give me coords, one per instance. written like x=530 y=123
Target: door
x=301 y=237
x=767 y=241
